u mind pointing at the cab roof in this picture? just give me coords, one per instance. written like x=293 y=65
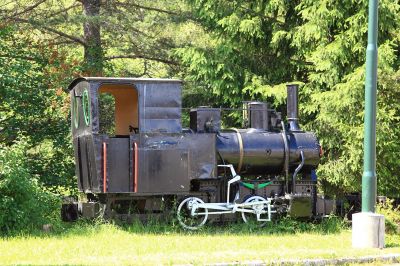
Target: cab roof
x=118 y=79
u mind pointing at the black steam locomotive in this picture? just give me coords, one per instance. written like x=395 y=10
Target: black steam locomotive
x=134 y=160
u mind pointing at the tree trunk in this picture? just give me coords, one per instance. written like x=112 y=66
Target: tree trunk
x=93 y=54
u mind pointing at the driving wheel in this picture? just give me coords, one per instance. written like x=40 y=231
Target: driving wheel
x=260 y=209
x=190 y=218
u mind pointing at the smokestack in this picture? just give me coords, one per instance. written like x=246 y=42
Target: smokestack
x=293 y=107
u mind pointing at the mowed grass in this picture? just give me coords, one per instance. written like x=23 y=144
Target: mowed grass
x=108 y=244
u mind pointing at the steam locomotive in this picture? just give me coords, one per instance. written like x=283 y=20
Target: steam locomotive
x=134 y=160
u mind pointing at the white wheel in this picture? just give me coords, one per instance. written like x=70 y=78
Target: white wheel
x=258 y=209
x=187 y=218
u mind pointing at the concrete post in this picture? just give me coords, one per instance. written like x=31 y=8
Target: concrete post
x=368 y=230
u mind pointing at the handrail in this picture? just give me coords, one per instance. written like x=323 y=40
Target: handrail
x=287 y=154
x=297 y=171
x=135 y=162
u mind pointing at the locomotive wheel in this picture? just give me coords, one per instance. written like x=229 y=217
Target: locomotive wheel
x=185 y=217
x=252 y=217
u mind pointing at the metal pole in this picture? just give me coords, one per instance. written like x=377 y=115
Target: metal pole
x=369 y=175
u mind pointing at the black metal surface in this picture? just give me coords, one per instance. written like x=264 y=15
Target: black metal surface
x=171 y=161
x=69 y=212
x=118 y=179
x=297 y=170
x=205 y=120
x=287 y=154
x=78 y=167
x=85 y=149
x=293 y=107
x=258 y=115
x=160 y=107
x=88 y=167
x=201 y=148
x=270 y=191
x=164 y=170
x=264 y=152
x=166 y=162
x=76 y=94
x=84 y=163
x=159 y=102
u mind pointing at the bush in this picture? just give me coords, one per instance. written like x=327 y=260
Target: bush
x=392 y=216
x=24 y=204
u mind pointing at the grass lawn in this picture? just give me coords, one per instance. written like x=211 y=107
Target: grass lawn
x=107 y=244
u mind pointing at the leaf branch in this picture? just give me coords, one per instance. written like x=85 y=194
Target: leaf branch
x=48 y=29
x=133 y=4
x=29 y=8
x=133 y=56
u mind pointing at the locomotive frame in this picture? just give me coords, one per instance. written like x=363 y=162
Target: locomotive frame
x=149 y=161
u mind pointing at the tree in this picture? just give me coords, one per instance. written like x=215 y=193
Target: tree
x=248 y=54
x=333 y=38
x=112 y=30
x=33 y=103
x=258 y=46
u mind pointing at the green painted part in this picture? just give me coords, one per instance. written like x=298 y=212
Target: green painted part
x=248 y=185
x=252 y=186
x=264 y=185
x=75 y=112
x=369 y=174
x=86 y=107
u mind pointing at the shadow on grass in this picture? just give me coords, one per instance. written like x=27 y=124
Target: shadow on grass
x=284 y=226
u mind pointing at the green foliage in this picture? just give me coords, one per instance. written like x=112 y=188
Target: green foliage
x=226 y=51
x=392 y=216
x=107 y=114
x=24 y=204
x=333 y=39
x=256 y=47
x=33 y=103
x=247 y=53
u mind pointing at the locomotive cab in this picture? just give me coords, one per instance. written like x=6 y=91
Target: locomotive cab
x=128 y=138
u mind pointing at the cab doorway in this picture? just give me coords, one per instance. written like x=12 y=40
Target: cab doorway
x=118 y=110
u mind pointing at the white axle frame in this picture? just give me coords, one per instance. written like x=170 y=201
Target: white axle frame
x=232 y=207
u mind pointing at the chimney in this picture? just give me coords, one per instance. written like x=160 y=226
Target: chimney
x=293 y=107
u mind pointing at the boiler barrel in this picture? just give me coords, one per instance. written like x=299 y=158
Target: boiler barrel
x=264 y=152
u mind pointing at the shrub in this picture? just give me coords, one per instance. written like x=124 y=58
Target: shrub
x=24 y=204
x=392 y=216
